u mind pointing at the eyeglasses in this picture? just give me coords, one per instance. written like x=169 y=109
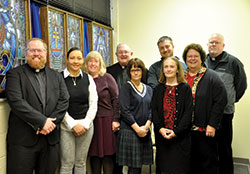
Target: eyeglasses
x=135 y=70
x=214 y=43
x=33 y=50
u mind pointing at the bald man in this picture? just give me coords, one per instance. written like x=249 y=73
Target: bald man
x=233 y=75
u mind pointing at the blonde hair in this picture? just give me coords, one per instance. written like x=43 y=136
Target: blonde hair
x=98 y=56
x=35 y=39
x=179 y=74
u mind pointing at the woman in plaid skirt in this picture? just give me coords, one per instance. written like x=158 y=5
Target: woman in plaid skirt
x=134 y=138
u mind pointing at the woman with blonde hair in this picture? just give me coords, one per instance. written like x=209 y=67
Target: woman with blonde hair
x=106 y=123
x=171 y=110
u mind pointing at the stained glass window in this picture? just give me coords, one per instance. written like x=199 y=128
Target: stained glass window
x=102 y=42
x=12 y=36
x=74 y=35
x=57 y=40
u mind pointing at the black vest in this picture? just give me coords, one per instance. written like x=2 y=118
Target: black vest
x=79 y=95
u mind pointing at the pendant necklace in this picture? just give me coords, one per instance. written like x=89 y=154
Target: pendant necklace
x=74 y=80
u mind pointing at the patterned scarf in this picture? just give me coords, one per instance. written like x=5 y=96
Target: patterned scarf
x=197 y=78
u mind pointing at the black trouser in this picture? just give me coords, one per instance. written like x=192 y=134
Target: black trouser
x=41 y=157
x=204 y=154
x=99 y=164
x=225 y=137
x=117 y=169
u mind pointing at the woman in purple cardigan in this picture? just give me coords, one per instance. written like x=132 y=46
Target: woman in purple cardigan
x=106 y=123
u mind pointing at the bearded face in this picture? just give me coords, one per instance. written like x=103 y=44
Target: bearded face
x=36 y=54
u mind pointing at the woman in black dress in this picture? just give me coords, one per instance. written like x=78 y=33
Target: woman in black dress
x=172 y=113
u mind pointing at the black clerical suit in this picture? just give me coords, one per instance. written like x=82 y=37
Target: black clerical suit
x=29 y=110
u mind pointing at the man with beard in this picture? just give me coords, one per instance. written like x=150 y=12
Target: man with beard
x=166 y=49
x=38 y=98
x=232 y=72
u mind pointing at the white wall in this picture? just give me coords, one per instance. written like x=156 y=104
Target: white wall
x=140 y=23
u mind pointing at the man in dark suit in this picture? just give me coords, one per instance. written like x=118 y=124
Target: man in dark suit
x=38 y=99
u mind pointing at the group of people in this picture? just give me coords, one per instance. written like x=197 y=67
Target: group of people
x=105 y=114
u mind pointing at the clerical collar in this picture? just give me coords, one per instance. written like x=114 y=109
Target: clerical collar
x=219 y=57
x=37 y=70
x=122 y=66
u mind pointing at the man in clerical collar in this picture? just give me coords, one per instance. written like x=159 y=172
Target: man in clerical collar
x=118 y=70
x=231 y=70
x=38 y=99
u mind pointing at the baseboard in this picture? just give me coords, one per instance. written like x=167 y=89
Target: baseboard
x=244 y=161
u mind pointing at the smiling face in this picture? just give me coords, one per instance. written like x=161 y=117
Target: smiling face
x=166 y=48
x=75 y=61
x=123 y=54
x=193 y=60
x=36 y=54
x=93 y=66
x=170 y=68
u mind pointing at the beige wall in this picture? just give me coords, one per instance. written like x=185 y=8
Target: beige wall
x=4 y=112
x=140 y=23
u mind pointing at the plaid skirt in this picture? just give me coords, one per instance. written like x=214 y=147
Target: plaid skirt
x=134 y=151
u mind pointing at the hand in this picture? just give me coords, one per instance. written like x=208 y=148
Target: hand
x=115 y=126
x=142 y=131
x=79 y=129
x=48 y=127
x=210 y=131
x=167 y=133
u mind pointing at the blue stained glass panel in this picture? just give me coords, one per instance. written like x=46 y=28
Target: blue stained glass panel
x=101 y=43
x=74 y=34
x=12 y=36
x=57 y=40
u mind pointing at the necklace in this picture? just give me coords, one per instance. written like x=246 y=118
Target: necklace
x=74 y=80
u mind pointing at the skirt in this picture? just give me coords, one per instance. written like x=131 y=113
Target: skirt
x=134 y=151
x=173 y=156
x=104 y=140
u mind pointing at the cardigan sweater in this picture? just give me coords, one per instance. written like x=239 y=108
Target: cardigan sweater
x=107 y=91
x=210 y=100
x=182 y=122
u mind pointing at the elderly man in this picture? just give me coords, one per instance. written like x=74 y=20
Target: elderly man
x=38 y=99
x=166 y=49
x=232 y=72
x=118 y=70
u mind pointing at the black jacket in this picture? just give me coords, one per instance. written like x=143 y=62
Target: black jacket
x=28 y=114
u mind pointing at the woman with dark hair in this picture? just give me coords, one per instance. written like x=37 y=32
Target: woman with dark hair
x=171 y=110
x=106 y=123
x=77 y=126
x=134 y=139
x=209 y=100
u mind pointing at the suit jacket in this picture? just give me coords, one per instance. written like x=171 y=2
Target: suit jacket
x=24 y=98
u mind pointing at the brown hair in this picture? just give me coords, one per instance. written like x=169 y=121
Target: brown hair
x=179 y=74
x=138 y=63
x=196 y=47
